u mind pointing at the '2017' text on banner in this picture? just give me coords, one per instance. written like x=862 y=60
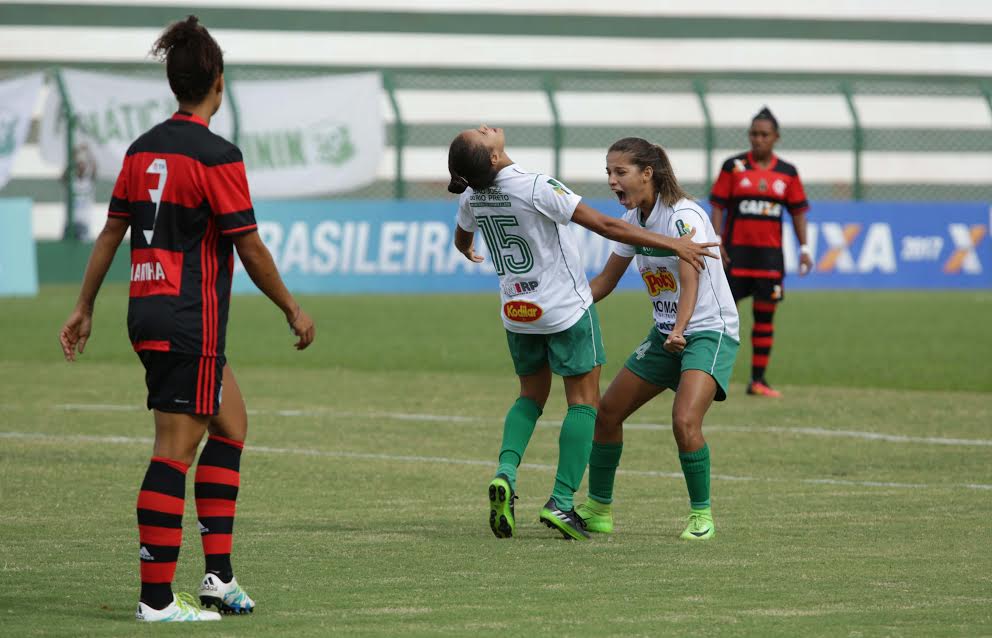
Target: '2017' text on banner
x=397 y=247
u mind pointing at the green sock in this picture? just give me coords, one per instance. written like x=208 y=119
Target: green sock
x=603 y=463
x=574 y=444
x=517 y=430
x=696 y=468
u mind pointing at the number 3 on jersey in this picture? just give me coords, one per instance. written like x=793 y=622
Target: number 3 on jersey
x=502 y=243
x=160 y=168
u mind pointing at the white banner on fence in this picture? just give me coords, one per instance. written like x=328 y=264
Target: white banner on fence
x=17 y=99
x=310 y=136
x=112 y=110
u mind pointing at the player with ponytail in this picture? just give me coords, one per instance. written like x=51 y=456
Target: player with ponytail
x=690 y=347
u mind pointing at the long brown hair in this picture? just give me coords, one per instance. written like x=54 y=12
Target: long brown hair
x=193 y=59
x=643 y=153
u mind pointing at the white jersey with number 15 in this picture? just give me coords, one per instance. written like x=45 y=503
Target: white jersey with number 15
x=523 y=219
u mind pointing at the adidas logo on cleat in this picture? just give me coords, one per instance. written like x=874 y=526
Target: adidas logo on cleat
x=208 y=585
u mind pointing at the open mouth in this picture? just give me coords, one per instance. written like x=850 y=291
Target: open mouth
x=622 y=196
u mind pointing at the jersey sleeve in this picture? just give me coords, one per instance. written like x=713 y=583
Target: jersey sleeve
x=795 y=196
x=621 y=249
x=464 y=218
x=119 y=204
x=226 y=189
x=554 y=200
x=720 y=194
x=684 y=220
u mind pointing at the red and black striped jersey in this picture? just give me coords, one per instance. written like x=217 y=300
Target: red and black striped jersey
x=185 y=194
x=754 y=199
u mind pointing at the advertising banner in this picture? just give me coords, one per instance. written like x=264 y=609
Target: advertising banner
x=310 y=136
x=18 y=266
x=397 y=247
x=17 y=98
x=111 y=110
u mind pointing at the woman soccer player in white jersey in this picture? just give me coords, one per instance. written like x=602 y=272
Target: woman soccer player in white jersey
x=690 y=348
x=547 y=307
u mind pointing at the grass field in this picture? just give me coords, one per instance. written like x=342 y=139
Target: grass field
x=859 y=505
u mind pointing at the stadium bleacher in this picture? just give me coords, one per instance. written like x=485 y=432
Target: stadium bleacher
x=870 y=107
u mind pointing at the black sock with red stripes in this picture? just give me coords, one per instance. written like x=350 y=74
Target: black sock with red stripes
x=160 y=528
x=218 y=476
x=762 y=337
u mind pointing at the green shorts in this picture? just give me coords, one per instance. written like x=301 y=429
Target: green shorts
x=570 y=352
x=710 y=351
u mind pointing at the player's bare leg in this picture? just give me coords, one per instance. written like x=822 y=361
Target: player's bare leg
x=696 y=392
x=626 y=394
x=518 y=427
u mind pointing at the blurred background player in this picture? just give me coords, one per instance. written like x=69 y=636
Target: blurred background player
x=183 y=193
x=547 y=307
x=749 y=197
x=691 y=347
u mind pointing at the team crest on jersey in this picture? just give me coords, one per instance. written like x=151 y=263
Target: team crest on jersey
x=519 y=287
x=558 y=187
x=658 y=281
x=779 y=187
x=683 y=228
x=522 y=311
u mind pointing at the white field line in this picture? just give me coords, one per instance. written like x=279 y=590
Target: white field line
x=131 y=440
x=441 y=418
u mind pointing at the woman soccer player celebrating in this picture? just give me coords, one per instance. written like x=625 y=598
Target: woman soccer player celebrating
x=691 y=346
x=547 y=307
x=183 y=193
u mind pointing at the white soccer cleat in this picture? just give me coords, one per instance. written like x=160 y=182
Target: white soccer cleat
x=228 y=598
x=183 y=608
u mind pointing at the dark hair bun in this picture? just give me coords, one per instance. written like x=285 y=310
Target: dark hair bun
x=457 y=185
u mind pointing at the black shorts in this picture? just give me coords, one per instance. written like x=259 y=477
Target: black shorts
x=184 y=383
x=761 y=288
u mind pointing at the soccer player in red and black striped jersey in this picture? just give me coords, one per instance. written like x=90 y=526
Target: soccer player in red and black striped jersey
x=183 y=193
x=753 y=191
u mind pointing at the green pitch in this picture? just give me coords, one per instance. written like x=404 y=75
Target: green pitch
x=859 y=505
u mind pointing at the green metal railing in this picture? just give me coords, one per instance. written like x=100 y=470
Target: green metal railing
x=710 y=137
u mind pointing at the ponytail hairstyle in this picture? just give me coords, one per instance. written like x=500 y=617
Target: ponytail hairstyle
x=643 y=154
x=469 y=165
x=193 y=60
x=766 y=114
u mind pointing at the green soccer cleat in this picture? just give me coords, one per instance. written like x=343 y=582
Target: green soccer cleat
x=597 y=516
x=501 y=497
x=571 y=526
x=700 y=527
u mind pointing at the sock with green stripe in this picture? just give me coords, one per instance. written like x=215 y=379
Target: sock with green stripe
x=696 y=468
x=574 y=445
x=517 y=430
x=603 y=463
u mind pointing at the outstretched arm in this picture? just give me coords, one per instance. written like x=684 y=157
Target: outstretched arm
x=604 y=283
x=621 y=231
x=258 y=263
x=76 y=330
